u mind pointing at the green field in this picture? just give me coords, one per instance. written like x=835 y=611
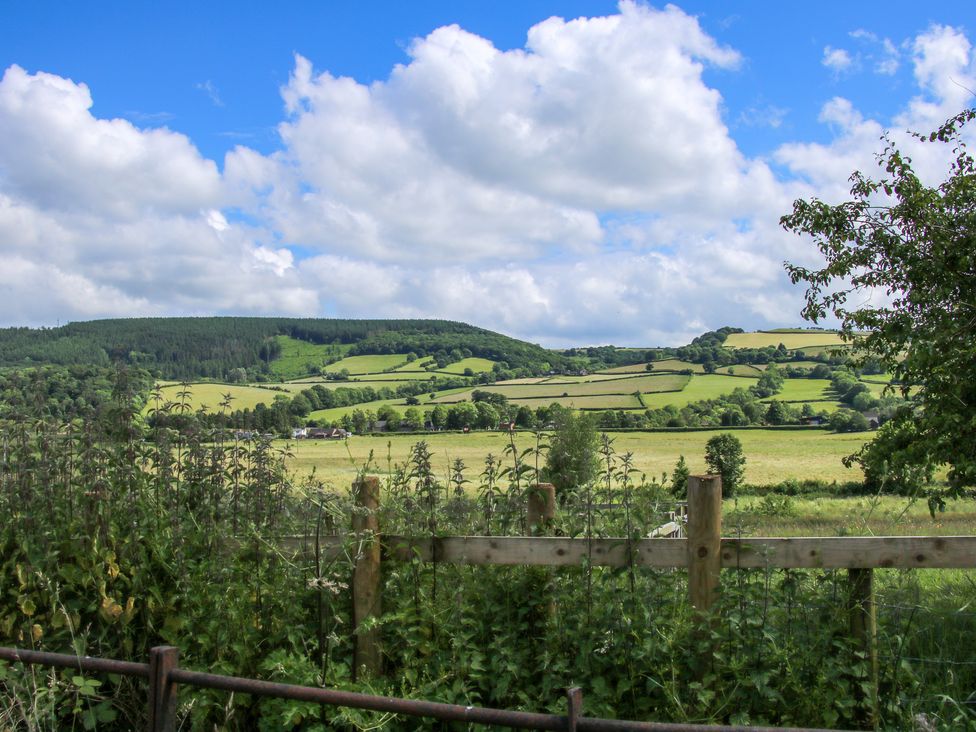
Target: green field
x=209 y=396
x=583 y=401
x=840 y=516
x=771 y=455
x=368 y=364
x=667 y=364
x=791 y=339
x=375 y=381
x=741 y=369
x=300 y=357
x=804 y=390
x=701 y=386
x=417 y=365
x=590 y=391
x=477 y=365
x=396 y=376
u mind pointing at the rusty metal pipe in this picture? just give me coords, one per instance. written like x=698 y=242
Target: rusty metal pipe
x=410 y=707
x=82 y=663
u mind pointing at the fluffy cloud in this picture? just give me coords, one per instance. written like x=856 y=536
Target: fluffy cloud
x=837 y=59
x=469 y=153
x=584 y=188
x=100 y=218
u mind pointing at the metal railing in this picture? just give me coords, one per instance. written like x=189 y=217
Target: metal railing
x=164 y=675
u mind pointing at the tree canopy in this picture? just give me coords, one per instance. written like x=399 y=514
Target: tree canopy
x=916 y=244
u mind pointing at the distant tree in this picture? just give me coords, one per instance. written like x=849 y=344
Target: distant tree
x=679 y=479
x=847 y=420
x=771 y=382
x=572 y=458
x=487 y=416
x=723 y=456
x=413 y=419
x=438 y=417
x=776 y=413
x=237 y=376
x=525 y=417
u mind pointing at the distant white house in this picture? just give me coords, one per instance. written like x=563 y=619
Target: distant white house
x=319 y=433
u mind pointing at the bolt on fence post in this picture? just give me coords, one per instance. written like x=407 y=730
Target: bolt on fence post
x=864 y=632
x=366 y=598
x=162 y=691
x=704 y=539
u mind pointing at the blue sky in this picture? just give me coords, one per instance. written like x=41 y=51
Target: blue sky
x=614 y=179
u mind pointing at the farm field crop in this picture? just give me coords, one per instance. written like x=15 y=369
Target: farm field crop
x=209 y=396
x=666 y=364
x=701 y=386
x=741 y=369
x=771 y=455
x=804 y=390
x=417 y=365
x=475 y=364
x=403 y=376
x=367 y=380
x=790 y=339
x=582 y=401
x=559 y=392
x=368 y=364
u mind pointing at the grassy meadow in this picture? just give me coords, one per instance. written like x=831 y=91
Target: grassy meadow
x=367 y=364
x=297 y=357
x=771 y=455
x=792 y=339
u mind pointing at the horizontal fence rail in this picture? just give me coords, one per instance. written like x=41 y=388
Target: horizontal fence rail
x=847 y=552
x=164 y=675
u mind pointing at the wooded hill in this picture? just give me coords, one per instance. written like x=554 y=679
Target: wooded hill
x=209 y=348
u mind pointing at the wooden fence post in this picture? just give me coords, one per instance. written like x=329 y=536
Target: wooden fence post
x=366 y=577
x=704 y=539
x=541 y=509
x=162 y=691
x=864 y=631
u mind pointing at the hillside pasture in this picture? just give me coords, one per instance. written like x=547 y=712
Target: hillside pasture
x=402 y=376
x=209 y=396
x=299 y=358
x=596 y=376
x=665 y=364
x=792 y=339
x=804 y=390
x=368 y=364
x=663 y=382
x=701 y=386
x=476 y=365
x=416 y=365
x=585 y=401
x=741 y=369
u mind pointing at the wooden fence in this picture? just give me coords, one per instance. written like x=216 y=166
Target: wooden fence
x=704 y=553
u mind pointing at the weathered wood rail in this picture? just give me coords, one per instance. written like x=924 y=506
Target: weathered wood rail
x=855 y=552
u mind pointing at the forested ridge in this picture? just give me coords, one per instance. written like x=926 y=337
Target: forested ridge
x=191 y=348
